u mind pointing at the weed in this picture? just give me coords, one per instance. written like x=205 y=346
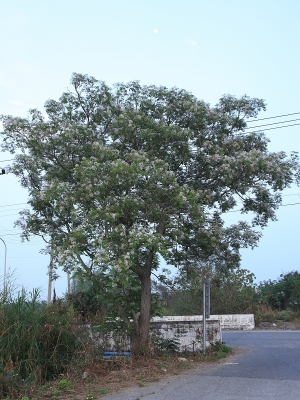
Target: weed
x=102 y=391
x=90 y=396
x=161 y=366
x=267 y=316
x=153 y=379
x=287 y=315
x=64 y=384
x=169 y=346
x=56 y=392
x=223 y=351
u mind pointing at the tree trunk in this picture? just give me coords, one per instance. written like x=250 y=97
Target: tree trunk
x=140 y=338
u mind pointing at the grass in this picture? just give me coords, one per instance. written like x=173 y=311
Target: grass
x=37 y=344
x=223 y=352
x=61 y=387
x=103 y=391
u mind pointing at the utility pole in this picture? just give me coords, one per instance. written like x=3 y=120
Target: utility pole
x=50 y=269
x=204 y=322
x=4 y=271
x=206 y=310
x=69 y=282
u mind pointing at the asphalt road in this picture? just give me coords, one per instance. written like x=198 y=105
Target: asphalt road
x=266 y=366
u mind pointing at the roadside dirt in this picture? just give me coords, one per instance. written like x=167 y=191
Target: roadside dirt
x=110 y=376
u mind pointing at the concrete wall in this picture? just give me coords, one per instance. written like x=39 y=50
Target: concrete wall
x=236 y=321
x=188 y=330
x=227 y=321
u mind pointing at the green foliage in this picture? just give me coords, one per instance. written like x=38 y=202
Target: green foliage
x=103 y=391
x=223 y=351
x=281 y=294
x=64 y=384
x=86 y=304
x=287 y=316
x=61 y=386
x=219 y=350
x=37 y=342
x=169 y=346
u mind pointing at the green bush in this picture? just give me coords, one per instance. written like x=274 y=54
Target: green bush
x=86 y=304
x=169 y=346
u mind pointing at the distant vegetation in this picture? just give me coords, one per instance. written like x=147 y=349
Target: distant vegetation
x=234 y=292
x=282 y=293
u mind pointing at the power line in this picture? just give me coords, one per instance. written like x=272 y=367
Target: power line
x=277 y=127
x=14 y=209
x=7 y=215
x=21 y=209
x=292 y=194
x=10 y=234
x=285 y=205
x=25 y=243
x=281 y=205
x=274 y=123
x=33 y=242
x=16 y=204
x=28 y=256
x=1 y=161
x=7 y=229
x=276 y=116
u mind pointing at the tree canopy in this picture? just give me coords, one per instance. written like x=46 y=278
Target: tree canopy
x=118 y=176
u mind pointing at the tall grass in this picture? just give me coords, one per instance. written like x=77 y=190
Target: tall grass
x=37 y=341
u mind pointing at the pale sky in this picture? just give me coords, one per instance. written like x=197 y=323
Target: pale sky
x=210 y=48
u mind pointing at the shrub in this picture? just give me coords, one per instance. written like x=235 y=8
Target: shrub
x=267 y=316
x=287 y=315
x=169 y=346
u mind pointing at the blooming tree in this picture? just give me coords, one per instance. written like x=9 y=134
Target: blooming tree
x=120 y=176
